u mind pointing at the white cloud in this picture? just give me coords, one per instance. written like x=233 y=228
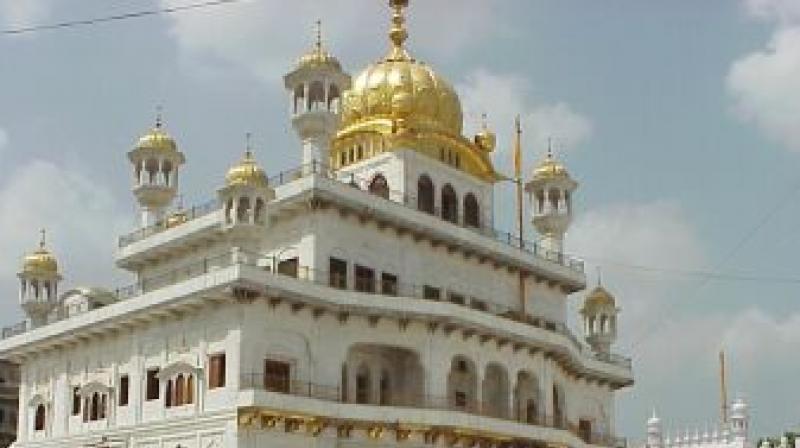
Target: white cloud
x=765 y=84
x=619 y=237
x=265 y=37
x=21 y=13
x=676 y=345
x=781 y=11
x=80 y=216
x=766 y=87
x=504 y=96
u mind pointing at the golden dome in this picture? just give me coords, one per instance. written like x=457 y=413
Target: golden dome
x=403 y=89
x=399 y=102
x=599 y=298
x=157 y=139
x=550 y=168
x=247 y=172
x=40 y=262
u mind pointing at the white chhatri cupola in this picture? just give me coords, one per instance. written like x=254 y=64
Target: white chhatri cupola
x=600 y=320
x=39 y=278
x=156 y=161
x=246 y=194
x=550 y=192
x=315 y=88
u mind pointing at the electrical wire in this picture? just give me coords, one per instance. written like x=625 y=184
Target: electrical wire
x=727 y=259
x=112 y=18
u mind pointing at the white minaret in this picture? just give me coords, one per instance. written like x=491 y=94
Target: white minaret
x=315 y=86
x=600 y=320
x=156 y=161
x=654 y=432
x=550 y=192
x=740 y=421
x=39 y=278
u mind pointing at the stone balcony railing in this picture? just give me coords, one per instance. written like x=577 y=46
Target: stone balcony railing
x=260 y=381
x=267 y=263
x=396 y=197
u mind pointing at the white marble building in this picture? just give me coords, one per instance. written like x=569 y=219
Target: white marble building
x=735 y=433
x=363 y=299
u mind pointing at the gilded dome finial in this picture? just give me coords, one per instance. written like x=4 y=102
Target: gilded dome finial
x=318 y=44
x=159 y=116
x=43 y=239
x=248 y=149
x=398 y=34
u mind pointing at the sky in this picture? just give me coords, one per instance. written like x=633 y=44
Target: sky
x=680 y=120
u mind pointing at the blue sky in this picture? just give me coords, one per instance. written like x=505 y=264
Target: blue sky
x=679 y=119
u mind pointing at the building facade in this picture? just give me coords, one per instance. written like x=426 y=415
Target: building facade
x=361 y=299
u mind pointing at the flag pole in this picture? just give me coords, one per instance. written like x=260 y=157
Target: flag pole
x=520 y=212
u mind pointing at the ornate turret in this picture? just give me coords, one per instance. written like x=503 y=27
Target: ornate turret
x=316 y=85
x=39 y=280
x=600 y=320
x=246 y=192
x=740 y=420
x=156 y=160
x=655 y=436
x=550 y=191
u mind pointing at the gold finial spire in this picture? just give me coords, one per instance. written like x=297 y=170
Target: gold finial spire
x=318 y=43
x=43 y=239
x=248 y=151
x=159 y=116
x=398 y=34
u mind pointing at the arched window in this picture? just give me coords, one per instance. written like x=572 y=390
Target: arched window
x=151 y=166
x=471 y=211
x=425 y=195
x=229 y=211
x=316 y=96
x=169 y=394
x=386 y=389
x=363 y=385
x=166 y=170
x=39 y=420
x=180 y=386
x=334 y=98
x=558 y=406
x=243 y=210
x=259 y=211
x=102 y=411
x=95 y=407
x=449 y=204
x=299 y=96
x=344 y=383
x=379 y=186
x=189 y=394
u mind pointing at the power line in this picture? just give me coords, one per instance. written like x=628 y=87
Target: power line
x=697 y=273
x=765 y=218
x=112 y=18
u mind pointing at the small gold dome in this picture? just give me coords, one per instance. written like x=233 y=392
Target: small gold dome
x=318 y=57
x=157 y=140
x=247 y=172
x=40 y=262
x=599 y=298
x=485 y=138
x=176 y=219
x=550 y=168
